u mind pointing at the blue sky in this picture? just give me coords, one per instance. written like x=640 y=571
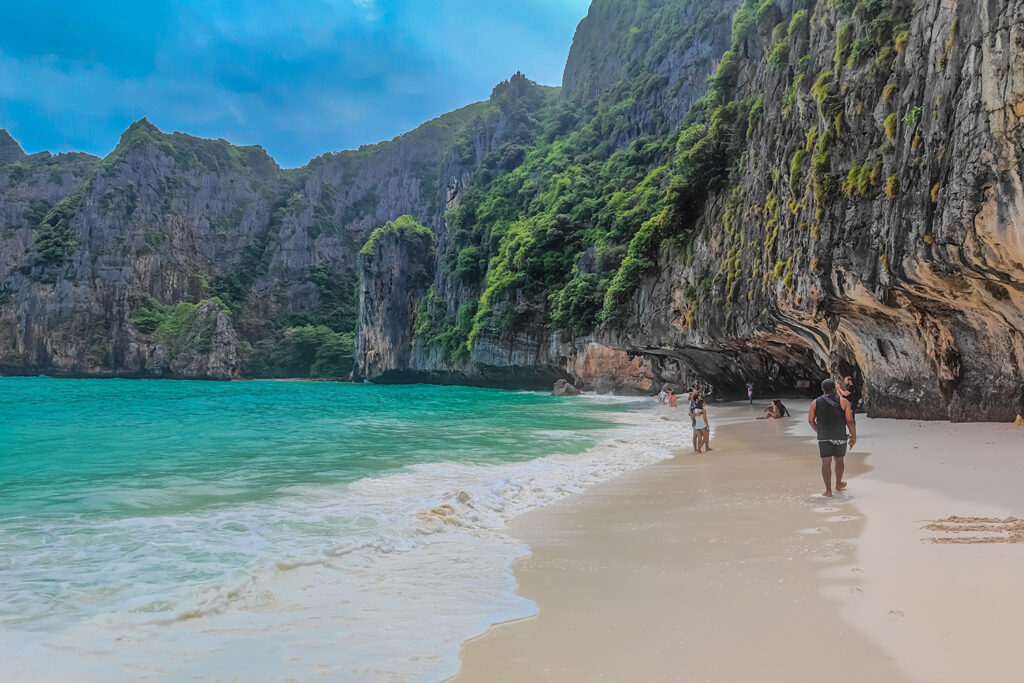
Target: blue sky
x=300 y=78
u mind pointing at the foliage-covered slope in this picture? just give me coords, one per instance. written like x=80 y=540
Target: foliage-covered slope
x=168 y=221
x=852 y=170
x=542 y=237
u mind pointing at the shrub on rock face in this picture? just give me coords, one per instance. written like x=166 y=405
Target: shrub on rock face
x=405 y=227
x=891 y=123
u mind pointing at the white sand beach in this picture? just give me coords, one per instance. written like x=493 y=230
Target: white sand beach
x=729 y=565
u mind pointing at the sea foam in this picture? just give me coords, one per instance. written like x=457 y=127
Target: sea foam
x=381 y=579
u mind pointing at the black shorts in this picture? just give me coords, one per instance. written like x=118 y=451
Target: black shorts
x=831 y=450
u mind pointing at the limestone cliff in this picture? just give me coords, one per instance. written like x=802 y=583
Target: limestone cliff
x=10 y=150
x=398 y=257
x=87 y=247
x=160 y=217
x=672 y=46
x=733 y=190
x=845 y=198
x=875 y=224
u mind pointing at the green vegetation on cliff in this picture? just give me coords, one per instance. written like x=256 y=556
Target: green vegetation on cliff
x=209 y=156
x=572 y=224
x=560 y=206
x=183 y=328
x=314 y=351
x=434 y=328
x=405 y=227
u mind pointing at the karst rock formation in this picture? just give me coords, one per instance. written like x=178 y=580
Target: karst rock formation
x=725 y=190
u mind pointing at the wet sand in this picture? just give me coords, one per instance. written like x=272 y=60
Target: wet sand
x=729 y=565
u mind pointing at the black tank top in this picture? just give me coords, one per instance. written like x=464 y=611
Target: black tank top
x=831 y=419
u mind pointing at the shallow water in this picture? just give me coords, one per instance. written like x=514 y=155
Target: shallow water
x=261 y=530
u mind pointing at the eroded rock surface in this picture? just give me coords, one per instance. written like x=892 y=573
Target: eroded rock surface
x=395 y=261
x=913 y=277
x=563 y=388
x=181 y=219
x=874 y=225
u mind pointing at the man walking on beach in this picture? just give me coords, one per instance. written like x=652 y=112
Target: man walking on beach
x=829 y=417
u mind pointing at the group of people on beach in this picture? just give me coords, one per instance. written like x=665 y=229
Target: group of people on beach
x=698 y=412
x=831 y=416
x=699 y=418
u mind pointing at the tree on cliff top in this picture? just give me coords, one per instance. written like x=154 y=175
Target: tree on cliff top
x=405 y=227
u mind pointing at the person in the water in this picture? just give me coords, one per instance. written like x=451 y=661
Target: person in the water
x=830 y=417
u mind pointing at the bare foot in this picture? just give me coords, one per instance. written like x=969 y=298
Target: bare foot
x=841 y=486
x=827 y=494
x=708 y=448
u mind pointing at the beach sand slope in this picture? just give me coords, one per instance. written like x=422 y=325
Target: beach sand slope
x=729 y=565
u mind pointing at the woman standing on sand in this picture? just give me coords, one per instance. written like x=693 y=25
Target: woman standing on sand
x=701 y=426
x=694 y=396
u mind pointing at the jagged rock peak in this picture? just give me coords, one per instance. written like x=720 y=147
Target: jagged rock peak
x=218 y=154
x=516 y=84
x=675 y=41
x=10 y=150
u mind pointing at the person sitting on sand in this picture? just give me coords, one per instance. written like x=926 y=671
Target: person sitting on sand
x=701 y=426
x=772 y=412
x=830 y=416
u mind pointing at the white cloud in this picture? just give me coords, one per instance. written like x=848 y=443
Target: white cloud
x=367 y=8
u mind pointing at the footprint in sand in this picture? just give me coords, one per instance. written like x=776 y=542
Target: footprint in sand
x=896 y=613
x=826 y=509
x=854 y=590
x=841 y=518
x=858 y=570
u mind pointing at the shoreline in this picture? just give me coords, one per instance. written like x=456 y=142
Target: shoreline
x=406 y=563
x=731 y=564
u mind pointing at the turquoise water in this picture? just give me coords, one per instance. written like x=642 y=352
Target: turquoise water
x=129 y=505
x=110 y=448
